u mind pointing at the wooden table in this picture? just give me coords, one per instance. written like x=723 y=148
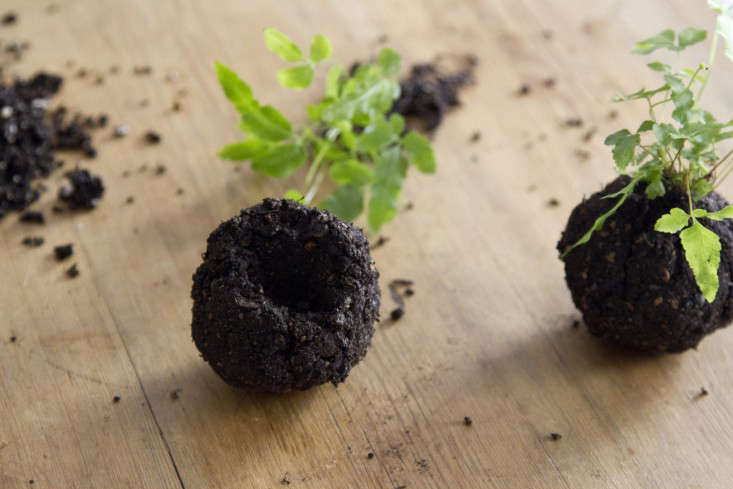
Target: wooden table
x=488 y=333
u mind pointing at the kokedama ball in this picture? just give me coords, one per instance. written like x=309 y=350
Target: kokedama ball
x=286 y=298
x=633 y=284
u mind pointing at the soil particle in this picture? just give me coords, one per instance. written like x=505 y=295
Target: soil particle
x=285 y=299
x=613 y=114
x=573 y=122
x=176 y=393
x=285 y=481
x=84 y=190
x=9 y=18
x=370 y=455
x=588 y=135
x=553 y=202
x=130 y=200
x=381 y=241
x=176 y=106
x=160 y=169
x=116 y=399
x=13 y=339
x=152 y=137
x=475 y=137
x=549 y=82
x=72 y=271
x=62 y=252
x=142 y=70
x=120 y=131
x=431 y=90
x=422 y=465
x=33 y=217
x=33 y=241
x=582 y=154
x=555 y=436
x=394 y=290
x=702 y=393
x=547 y=34
x=524 y=89
x=617 y=297
x=179 y=191
x=467 y=421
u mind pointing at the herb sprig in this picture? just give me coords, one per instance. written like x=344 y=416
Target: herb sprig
x=678 y=151
x=350 y=135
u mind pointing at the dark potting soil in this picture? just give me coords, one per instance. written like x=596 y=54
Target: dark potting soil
x=430 y=91
x=632 y=284
x=72 y=271
x=555 y=436
x=33 y=217
x=30 y=135
x=285 y=299
x=62 y=252
x=83 y=191
x=33 y=241
x=395 y=286
x=467 y=421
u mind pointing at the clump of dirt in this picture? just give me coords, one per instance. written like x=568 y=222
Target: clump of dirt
x=33 y=241
x=632 y=284
x=285 y=299
x=395 y=288
x=84 y=190
x=432 y=89
x=62 y=252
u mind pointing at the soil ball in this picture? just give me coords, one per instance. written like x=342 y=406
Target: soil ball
x=285 y=299
x=632 y=284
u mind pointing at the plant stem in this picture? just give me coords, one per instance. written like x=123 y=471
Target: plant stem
x=689 y=198
x=316 y=163
x=314 y=187
x=711 y=60
x=720 y=162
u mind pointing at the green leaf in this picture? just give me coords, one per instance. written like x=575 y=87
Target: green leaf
x=701 y=188
x=702 y=250
x=623 y=194
x=236 y=90
x=654 y=189
x=279 y=160
x=657 y=66
x=389 y=61
x=672 y=222
x=676 y=84
x=397 y=123
x=664 y=39
x=688 y=37
x=347 y=202
x=297 y=77
x=645 y=126
x=265 y=122
x=243 y=150
x=351 y=172
x=419 y=151
x=389 y=173
x=683 y=102
x=280 y=44
x=624 y=143
x=724 y=213
x=375 y=136
x=293 y=194
x=320 y=48
x=332 y=81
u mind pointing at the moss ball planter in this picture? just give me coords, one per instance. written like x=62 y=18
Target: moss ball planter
x=286 y=298
x=632 y=284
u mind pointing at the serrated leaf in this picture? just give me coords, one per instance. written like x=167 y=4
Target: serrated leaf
x=243 y=150
x=672 y=222
x=297 y=77
x=389 y=173
x=664 y=39
x=293 y=194
x=320 y=48
x=655 y=189
x=347 y=202
x=658 y=66
x=676 y=84
x=280 y=160
x=701 y=188
x=235 y=89
x=280 y=44
x=724 y=213
x=389 y=61
x=375 y=136
x=624 y=143
x=688 y=37
x=351 y=172
x=361 y=101
x=265 y=122
x=702 y=251
x=419 y=151
x=333 y=81
x=645 y=126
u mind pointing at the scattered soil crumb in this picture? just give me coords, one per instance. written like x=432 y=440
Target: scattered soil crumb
x=422 y=465
x=84 y=190
x=613 y=114
x=547 y=34
x=143 y=102
x=160 y=169
x=176 y=393
x=576 y=324
x=381 y=241
x=62 y=252
x=31 y=482
x=72 y=271
x=409 y=206
x=285 y=481
x=382 y=39
x=9 y=18
x=370 y=455
x=152 y=137
x=130 y=200
x=33 y=217
x=702 y=393
x=475 y=137
x=120 y=131
x=582 y=154
x=467 y=421
x=394 y=290
x=33 y=241
x=179 y=191
x=553 y=202
x=588 y=135
x=555 y=436
x=116 y=399
x=409 y=292
x=13 y=339
x=401 y=487
x=549 y=82
x=142 y=70
x=524 y=89
x=176 y=107
x=573 y=122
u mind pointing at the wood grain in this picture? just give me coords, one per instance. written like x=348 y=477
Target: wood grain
x=488 y=333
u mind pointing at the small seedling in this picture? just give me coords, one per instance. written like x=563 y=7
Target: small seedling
x=679 y=150
x=350 y=135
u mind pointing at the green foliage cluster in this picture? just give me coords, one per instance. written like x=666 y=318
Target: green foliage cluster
x=349 y=135
x=678 y=149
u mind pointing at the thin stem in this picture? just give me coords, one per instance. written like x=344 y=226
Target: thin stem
x=711 y=60
x=720 y=162
x=314 y=188
x=725 y=175
x=316 y=163
x=689 y=197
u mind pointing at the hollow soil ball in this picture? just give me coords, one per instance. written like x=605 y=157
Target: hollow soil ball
x=286 y=298
x=632 y=284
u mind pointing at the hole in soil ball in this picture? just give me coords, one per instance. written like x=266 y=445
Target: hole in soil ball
x=297 y=274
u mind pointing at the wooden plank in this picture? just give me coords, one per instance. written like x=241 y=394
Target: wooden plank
x=487 y=335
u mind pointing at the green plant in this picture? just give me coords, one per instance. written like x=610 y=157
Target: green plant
x=349 y=135
x=678 y=150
